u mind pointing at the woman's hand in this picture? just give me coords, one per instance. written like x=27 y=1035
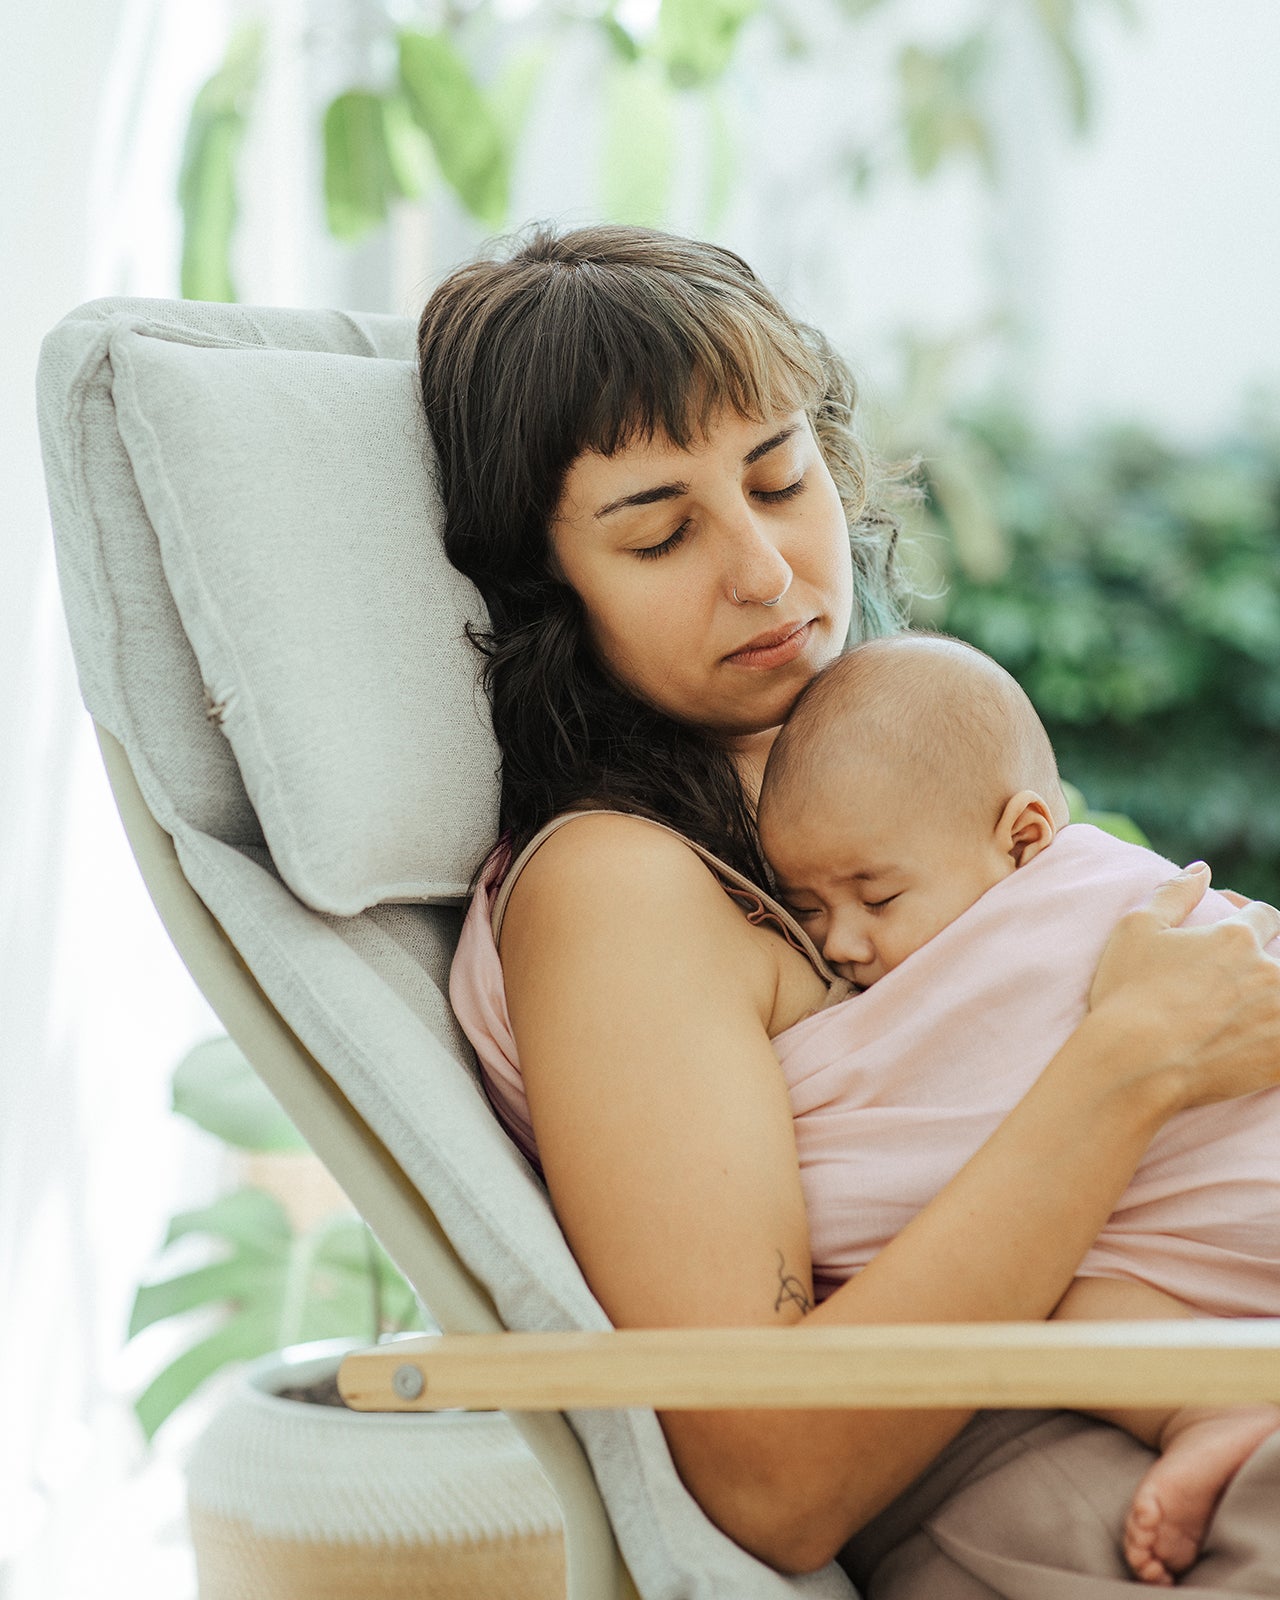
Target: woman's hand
x=1205 y=1000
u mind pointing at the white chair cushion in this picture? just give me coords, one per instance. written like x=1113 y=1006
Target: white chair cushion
x=284 y=487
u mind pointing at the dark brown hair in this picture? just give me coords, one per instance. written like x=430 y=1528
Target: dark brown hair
x=560 y=343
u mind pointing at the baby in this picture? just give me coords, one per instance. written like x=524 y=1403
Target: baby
x=908 y=810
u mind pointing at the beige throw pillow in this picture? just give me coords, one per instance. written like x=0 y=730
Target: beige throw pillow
x=292 y=496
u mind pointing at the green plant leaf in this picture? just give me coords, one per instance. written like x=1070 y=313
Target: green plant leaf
x=465 y=134
x=243 y=1338
x=273 y=1287
x=359 y=175
x=639 y=144
x=511 y=94
x=695 y=39
x=624 y=45
x=939 y=107
x=1111 y=822
x=1077 y=805
x=960 y=481
x=1121 y=826
x=216 y=1088
x=189 y=1291
x=248 y=1220
x=409 y=156
x=1059 y=20
x=207 y=175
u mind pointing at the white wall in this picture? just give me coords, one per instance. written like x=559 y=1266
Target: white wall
x=1159 y=279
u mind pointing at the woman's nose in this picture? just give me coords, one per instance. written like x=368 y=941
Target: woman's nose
x=755 y=568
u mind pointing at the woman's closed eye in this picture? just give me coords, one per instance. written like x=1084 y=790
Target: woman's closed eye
x=879 y=905
x=651 y=552
x=773 y=496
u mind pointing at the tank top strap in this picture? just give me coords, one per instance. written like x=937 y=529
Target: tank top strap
x=759 y=908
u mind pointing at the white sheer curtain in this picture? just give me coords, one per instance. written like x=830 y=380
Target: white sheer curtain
x=94 y=1003
x=95 y=1007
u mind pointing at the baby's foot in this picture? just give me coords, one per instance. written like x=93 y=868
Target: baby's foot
x=1202 y=1449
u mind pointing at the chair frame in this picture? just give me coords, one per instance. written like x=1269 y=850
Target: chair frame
x=477 y=1364
x=363 y=1167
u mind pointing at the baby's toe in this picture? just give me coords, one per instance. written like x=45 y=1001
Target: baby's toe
x=1141 y=1528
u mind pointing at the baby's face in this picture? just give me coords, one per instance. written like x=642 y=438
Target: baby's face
x=871 y=880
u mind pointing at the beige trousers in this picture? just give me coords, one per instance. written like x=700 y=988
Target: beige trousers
x=1029 y=1506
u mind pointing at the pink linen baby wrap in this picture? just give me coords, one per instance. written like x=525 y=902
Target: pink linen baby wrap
x=892 y=1090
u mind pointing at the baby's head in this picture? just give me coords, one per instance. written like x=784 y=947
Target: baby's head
x=911 y=776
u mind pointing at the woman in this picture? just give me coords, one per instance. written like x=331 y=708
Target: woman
x=649 y=472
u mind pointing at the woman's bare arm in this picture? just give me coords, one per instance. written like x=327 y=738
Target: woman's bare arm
x=640 y=1000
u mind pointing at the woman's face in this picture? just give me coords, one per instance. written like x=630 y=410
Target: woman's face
x=655 y=540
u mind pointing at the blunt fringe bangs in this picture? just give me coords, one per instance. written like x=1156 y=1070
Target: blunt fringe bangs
x=562 y=343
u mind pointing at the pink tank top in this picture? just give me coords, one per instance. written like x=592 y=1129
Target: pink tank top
x=892 y=1090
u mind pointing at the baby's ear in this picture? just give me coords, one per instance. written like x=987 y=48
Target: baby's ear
x=1025 y=827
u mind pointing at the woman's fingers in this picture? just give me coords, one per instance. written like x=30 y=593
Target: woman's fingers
x=1176 y=900
x=1206 y=999
x=1262 y=918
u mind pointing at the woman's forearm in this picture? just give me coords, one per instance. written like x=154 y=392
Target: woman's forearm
x=1001 y=1242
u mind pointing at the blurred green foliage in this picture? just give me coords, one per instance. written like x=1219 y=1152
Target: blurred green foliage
x=1133 y=589
x=207 y=177
x=450 y=102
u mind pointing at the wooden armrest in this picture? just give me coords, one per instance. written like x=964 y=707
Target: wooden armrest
x=1069 y=1365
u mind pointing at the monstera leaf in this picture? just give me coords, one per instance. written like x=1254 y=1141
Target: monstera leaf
x=216 y=1088
x=264 y=1284
x=271 y=1287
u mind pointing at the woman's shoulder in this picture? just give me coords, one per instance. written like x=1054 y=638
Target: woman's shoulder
x=598 y=866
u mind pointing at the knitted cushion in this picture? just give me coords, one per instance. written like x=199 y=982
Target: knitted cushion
x=298 y=528
x=290 y=494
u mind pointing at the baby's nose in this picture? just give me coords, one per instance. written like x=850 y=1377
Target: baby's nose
x=846 y=944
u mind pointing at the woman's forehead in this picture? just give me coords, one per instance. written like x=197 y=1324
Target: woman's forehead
x=727 y=432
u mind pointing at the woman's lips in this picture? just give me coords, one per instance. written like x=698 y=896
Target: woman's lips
x=775 y=648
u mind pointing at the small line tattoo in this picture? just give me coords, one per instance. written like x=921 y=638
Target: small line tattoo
x=790 y=1289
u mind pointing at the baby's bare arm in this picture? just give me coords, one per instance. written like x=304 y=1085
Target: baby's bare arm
x=1123 y=1300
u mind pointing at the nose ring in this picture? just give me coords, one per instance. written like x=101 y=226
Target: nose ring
x=772 y=602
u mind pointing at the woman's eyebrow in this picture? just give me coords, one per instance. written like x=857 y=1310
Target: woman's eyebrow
x=770 y=444
x=645 y=497
x=672 y=491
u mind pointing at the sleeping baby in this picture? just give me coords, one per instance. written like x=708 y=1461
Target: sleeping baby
x=913 y=815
